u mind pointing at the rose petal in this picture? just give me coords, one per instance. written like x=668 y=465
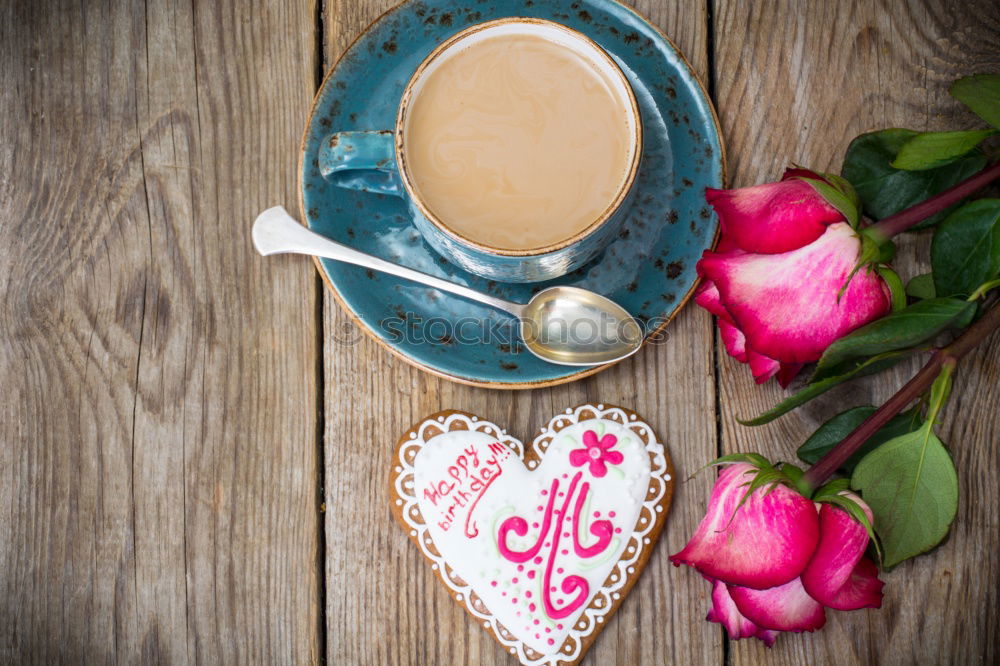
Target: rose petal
x=724 y=612
x=862 y=590
x=762 y=367
x=786 y=607
x=726 y=244
x=799 y=172
x=789 y=305
x=735 y=342
x=837 y=576
x=707 y=297
x=787 y=373
x=768 y=542
x=773 y=217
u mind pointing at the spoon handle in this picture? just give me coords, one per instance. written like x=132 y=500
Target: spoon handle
x=277 y=232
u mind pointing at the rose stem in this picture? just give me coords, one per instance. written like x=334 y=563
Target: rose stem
x=890 y=226
x=949 y=355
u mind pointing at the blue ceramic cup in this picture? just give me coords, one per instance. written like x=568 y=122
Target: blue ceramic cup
x=375 y=161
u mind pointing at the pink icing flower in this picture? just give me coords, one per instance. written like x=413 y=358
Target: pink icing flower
x=597 y=453
x=775 y=279
x=775 y=563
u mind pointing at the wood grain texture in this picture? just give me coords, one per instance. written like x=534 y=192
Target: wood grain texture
x=384 y=604
x=166 y=392
x=798 y=80
x=158 y=422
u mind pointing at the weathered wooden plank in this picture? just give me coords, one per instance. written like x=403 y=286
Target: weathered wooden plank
x=378 y=585
x=158 y=425
x=797 y=81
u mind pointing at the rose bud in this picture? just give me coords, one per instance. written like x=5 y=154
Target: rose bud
x=777 y=279
x=775 y=558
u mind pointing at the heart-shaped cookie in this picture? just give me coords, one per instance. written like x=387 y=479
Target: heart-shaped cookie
x=541 y=544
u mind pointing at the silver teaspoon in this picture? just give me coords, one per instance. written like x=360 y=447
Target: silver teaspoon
x=562 y=325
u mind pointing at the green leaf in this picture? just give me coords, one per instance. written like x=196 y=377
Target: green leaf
x=840 y=426
x=850 y=371
x=965 y=252
x=922 y=286
x=911 y=486
x=786 y=472
x=832 y=488
x=966 y=317
x=885 y=190
x=940 y=390
x=754 y=459
x=874 y=250
x=838 y=199
x=981 y=93
x=984 y=289
x=895 y=284
x=795 y=476
x=886 y=252
x=904 y=329
x=844 y=186
x=933 y=149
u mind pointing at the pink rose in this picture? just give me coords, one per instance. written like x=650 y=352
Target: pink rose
x=777 y=560
x=776 y=280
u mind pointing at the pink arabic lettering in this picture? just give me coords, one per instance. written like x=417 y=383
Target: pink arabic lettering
x=551 y=528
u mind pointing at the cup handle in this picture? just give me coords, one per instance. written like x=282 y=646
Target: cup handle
x=363 y=161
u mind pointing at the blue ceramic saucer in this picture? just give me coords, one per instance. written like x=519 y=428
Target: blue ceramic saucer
x=649 y=269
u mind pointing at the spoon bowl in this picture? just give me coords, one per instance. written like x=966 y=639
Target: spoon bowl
x=573 y=326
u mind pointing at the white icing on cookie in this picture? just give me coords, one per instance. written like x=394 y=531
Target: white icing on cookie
x=539 y=555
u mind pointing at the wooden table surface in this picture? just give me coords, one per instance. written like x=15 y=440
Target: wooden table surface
x=192 y=470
